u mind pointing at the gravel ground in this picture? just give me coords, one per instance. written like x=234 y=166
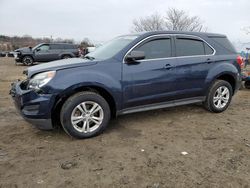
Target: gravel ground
x=137 y=150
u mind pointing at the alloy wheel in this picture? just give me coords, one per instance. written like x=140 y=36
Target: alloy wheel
x=221 y=97
x=87 y=117
x=27 y=61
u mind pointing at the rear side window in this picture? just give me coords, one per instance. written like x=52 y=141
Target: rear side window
x=225 y=43
x=208 y=49
x=56 y=46
x=157 y=48
x=192 y=47
x=69 y=46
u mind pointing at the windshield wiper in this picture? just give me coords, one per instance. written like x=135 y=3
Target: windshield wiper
x=88 y=57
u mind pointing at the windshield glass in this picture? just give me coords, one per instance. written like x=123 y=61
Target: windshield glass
x=36 y=46
x=111 y=48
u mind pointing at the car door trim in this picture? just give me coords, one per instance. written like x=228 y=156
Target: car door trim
x=168 y=104
x=170 y=35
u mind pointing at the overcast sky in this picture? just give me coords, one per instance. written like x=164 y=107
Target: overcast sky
x=101 y=20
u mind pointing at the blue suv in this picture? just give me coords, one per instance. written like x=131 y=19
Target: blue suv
x=131 y=73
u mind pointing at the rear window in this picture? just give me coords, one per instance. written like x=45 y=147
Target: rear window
x=224 y=42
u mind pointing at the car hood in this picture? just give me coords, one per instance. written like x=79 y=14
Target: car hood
x=58 y=65
x=25 y=49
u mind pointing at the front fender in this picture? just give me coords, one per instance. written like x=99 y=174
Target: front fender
x=67 y=81
x=27 y=54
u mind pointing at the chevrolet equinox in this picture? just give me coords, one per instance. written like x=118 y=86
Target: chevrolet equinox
x=128 y=74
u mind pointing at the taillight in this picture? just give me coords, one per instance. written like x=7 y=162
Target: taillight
x=240 y=61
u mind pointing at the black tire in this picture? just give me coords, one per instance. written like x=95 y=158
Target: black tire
x=209 y=103
x=66 y=57
x=27 y=60
x=75 y=100
x=247 y=84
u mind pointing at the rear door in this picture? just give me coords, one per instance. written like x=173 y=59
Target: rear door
x=194 y=57
x=70 y=49
x=54 y=51
x=151 y=80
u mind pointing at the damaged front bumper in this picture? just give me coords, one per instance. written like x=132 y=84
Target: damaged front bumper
x=35 y=108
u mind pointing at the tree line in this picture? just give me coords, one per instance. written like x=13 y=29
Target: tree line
x=8 y=43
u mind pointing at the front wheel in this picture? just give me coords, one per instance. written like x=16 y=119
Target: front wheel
x=85 y=115
x=219 y=96
x=27 y=60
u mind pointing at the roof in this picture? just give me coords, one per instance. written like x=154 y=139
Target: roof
x=181 y=32
x=61 y=43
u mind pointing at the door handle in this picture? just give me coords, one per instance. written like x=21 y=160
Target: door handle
x=168 y=67
x=209 y=60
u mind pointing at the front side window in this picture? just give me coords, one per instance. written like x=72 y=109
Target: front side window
x=192 y=47
x=157 y=48
x=44 y=47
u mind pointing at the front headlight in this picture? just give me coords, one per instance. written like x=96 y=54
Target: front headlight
x=41 y=79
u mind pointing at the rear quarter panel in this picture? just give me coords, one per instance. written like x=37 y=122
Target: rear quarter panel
x=223 y=65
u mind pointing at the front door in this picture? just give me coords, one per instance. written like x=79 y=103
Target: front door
x=151 y=80
x=42 y=52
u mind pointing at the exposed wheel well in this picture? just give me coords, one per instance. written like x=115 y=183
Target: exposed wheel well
x=66 y=55
x=27 y=56
x=229 y=79
x=105 y=94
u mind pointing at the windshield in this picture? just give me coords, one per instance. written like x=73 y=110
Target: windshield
x=36 y=46
x=111 y=48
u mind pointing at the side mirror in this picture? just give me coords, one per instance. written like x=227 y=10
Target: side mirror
x=134 y=56
x=38 y=49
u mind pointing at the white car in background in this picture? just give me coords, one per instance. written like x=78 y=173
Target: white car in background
x=91 y=49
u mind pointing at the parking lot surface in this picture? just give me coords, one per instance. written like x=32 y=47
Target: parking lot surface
x=184 y=146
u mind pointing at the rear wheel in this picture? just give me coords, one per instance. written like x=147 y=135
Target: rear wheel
x=85 y=115
x=27 y=60
x=247 y=84
x=219 y=96
x=66 y=57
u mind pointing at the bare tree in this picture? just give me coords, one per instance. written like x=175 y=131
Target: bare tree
x=86 y=43
x=177 y=20
x=149 y=23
